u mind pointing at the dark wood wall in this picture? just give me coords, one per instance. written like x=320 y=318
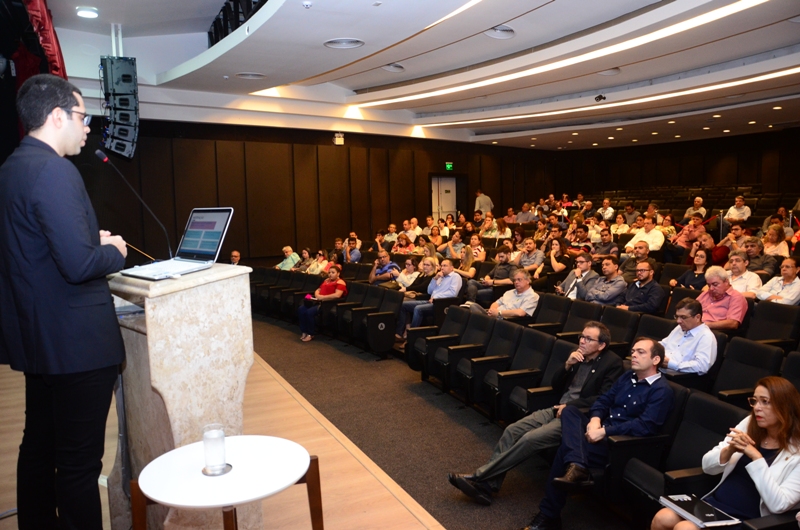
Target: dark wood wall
x=294 y=187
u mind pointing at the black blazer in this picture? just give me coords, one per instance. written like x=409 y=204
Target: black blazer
x=607 y=370
x=56 y=311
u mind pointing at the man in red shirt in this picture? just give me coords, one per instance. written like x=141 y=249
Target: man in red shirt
x=723 y=306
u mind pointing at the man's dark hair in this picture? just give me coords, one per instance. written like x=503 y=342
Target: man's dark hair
x=739 y=223
x=605 y=334
x=586 y=256
x=777 y=216
x=656 y=349
x=582 y=227
x=478 y=212
x=606 y=230
x=631 y=205
x=380 y=232
x=39 y=95
x=691 y=305
x=613 y=259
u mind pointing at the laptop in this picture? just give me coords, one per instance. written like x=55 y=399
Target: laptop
x=198 y=250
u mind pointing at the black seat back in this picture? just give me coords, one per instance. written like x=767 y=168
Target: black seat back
x=362 y=274
x=621 y=323
x=678 y=294
x=349 y=271
x=479 y=329
x=671 y=271
x=392 y=301
x=374 y=296
x=284 y=278
x=745 y=363
x=774 y=321
x=558 y=357
x=553 y=308
x=655 y=327
x=533 y=350
x=505 y=337
x=680 y=394
x=312 y=282
x=356 y=292
x=456 y=321
x=791 y=369
x=580 y=313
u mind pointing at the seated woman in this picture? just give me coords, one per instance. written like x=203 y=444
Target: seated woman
x=775 y=242
x=403 y=245
x=408 y=274
x=418 y=290
x=518 y=238
x=638 y=225
x=420 y=243
x=318 y=267
x=503 y=231
x=468 y=230
x=694 y=278
x=429 y=251
x=435 y=236
x=556 y=259
x=331 y=289
x=461 y=221
x=667 y=226
x=333 y=258
x=467 y=268
x=478 y=252
x=305 y=261
x=565 y=202
x=541 y=230
x=619 y=227
x=759 y=460
x=449 y=223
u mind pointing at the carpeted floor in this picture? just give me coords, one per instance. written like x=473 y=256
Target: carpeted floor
x=413 y=431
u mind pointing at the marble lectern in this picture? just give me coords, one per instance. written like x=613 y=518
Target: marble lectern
x=187 y=361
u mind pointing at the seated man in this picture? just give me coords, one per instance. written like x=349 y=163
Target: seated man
x=784 y=289
x=520 y=301
x=777 y=219
x=338 y=250
x=606 y=248
x=593 y=228
x=553 y=222
x=637 y=405
x=384 y=269
x=630 y=214
x=511 y=216
x=446 y=284
x=588 y=372
x=409 y=231
x=723 y=306
x=654 y=238
x=719 y=253
x=415 y=226
x=380 y=242
x=644 y=295
x=588 y=210
x=608 y=289
x=581 y=243
x=499 y=275
x=526 y=215
x=677 y=246
x=429 y=223
x=488 y=227
x=759 y=263
x=553 y=232
x=696 y=208
x=736 y=238
x=351 y=253
x=581 y=275
x=530 y=258
x=737 y=212
x=452 y=249
x=290 y=259
x=641 y=253
x=652 y=211
x=391 y=235
x=606 y=211
x=477 y=218
x=691 y=346
x=741 y=279
x=235 y=257
x=353 y=235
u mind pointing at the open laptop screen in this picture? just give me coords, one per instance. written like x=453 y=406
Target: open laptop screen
x=204 y=233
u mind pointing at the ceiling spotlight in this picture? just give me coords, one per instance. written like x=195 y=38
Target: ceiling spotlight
x=671 y=121
x=534 y=139
x=600 y=97
x=751 y=123
x=677 y=136
x=654 y=133
x=86 y=12
x=634 y=140
x=343 y=44
x=533 y=145
x=395 y=68
x=716 y=116
x=594 y=143
x=610 y=71
x=726 y=131
x=706 y=128
x=769 y=126
x=569 y=141
x=501 y=32
x=574 y=134
x=561 y=148
x=610 y=137
x=777 y=108
x=307 y=4
x=494 y=143
x=619 y=128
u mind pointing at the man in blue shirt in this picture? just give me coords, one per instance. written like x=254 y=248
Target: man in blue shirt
x=446 y=284
x=637 y=405
x=383 y=270
x=644 y=295
x=290 y=259
x=351 y=253
x=691 y=346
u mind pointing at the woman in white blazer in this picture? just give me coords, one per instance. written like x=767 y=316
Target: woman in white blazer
x=767 y=443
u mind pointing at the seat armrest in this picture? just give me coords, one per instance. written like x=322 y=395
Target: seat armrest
x=620 y=348
x=784 y=344
x=737 y=397
x=442 y=341
x=779 y=521
x=347 y=305
x=492 y=361
x=464 y=351
x=551 y=328
x=362 y=309
x=542 y=397
x=569 y=336
x=689 y=481
x=522 y=321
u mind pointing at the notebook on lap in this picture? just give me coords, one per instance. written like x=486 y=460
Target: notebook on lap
x=198 y=250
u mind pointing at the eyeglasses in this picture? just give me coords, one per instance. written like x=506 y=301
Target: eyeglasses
x=579 y=261
x=587 y=339
x=87 y=119
x=756 y=401
x=642 y=270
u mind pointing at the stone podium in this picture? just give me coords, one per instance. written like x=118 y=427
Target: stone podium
x=187 y=360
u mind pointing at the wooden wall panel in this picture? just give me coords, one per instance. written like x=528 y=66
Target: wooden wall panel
x=306 y=196
x=379 y=189
x=770 y=167
x=195 y=169
x=789 y=169
x=401 y=187
x=691 y=169
x=668 y=169
x=422 y=184
x=474 y=180
x=506 y=198
x=360 y=195
x=721 y=168
x=158 y=191
x=334 y=193
x=491 y=175
x=270 y=198
x=232 y=191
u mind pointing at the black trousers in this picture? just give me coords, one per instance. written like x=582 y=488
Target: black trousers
x=60 y=458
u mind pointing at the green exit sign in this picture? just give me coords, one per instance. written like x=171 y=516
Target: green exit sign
x=448 y=166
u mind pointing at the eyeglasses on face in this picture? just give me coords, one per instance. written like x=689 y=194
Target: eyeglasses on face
x=639 y=271
x=588 y=339
x=753 y=401
x=87 y=119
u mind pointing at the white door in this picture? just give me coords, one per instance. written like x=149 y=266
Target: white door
x=444 y=196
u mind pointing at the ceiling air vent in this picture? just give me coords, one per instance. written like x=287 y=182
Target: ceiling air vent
x=394 y=68
x=250 y=75
x=501 y=32
x=343 y=44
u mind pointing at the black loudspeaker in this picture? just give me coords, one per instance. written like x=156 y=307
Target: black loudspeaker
x=121 y=89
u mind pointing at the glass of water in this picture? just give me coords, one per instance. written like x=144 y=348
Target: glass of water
x=214 y=447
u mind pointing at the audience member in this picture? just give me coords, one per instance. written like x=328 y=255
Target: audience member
x=477 y=248
x=483 y=289
x=652 y=211
x=290 y=258
x=593 y=227
x=446 y=284
x=696 y=208
x=719 y=253
x=467 y=269
x=578 y=202
x=380 y=242
x=444 y=227
x=518 y=239
x=581 y=274
x=694 y=278
x=741 y=279
x=690 y=347
x=435 y=236
x=667 y=226
x=587 y=209
x=620 y=226
x=530 y=257
x=758 y=460
x=557 y=259
x=541 y=230
x=637 y=405
x=408 y=231
x=418 y=289
x=511 y=216
x=781 y=217
x=429 y=224
x=331 y=289
x=503 y=231
x=408 y=275
x=403 y=245
x=588 y=372
x=638 y=225
x=605 y=248
x=338 y=250
x=353 y=235
x=305 y=261
x=736 y=238
x=641 y=253
x=318 y=267
x=477 y=218
x=565 y=202
x=415 y=226
x=759 y=263
x=384 y=269
x=644 y=295
x=235 y=257
x=483 y=202
x=526 y=215
x=630 y=214
x=462 y=220
x=553 y=221
x=391 y=235
x=724 y=308
x=737 y=212
x=606 y=211
x=581 y=242
x=468 y=230
x=775 y=243
x=488 y=228
x=679 y=244
x=784 y=289
x=649 y=234
x=608 y=289
x=452 y=249
x=351 y=253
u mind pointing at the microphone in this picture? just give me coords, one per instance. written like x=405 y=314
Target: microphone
x=102 y=156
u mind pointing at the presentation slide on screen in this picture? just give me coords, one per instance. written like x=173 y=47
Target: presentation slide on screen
x=204 y=231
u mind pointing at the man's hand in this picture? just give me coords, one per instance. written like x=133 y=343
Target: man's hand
x=559 y=290
x=377 y=263
x=558 y=409
x=575 y=357
x=107 y=239
x=595 y=435
x=487 y=281
x=622 y=307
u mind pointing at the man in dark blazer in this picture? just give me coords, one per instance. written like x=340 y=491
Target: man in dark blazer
x=57 y=319
x=589 y=372
x=581 y=274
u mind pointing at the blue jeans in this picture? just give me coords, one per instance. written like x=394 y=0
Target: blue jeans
x=409 y=307
x=306 y=317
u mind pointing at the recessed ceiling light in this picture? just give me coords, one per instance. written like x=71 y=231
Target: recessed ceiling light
x=594 y=143
x=706 y=128
x=634 y=140
x=716 y=116
x=610 y=137
x=677 y=136
x=494 y=143
x=610 y=71
x=769 y=126
x=619 y=128
x=574 y=134
x=533 y=145
x=250 y=75
x=501 y=32
x=534 y=139
x=654 y=133
x=569 y=141
x=561 y=148
x=777 y=108
x=671 y=121
x=343 y=43
x=86 y=12
x=394 y=68
x=751 y=123
x=726 y=131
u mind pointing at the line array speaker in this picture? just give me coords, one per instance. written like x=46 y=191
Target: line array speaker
x=121 y=90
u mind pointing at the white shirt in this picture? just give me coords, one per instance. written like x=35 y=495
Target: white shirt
x=411 y=234
x=738 y=213
x=607 y=213
x=694 y=351
x=790 y=293
x=747 y=282
x=654 y=239
x=526 y=301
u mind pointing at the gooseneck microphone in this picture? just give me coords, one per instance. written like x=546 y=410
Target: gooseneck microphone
x=102 y=156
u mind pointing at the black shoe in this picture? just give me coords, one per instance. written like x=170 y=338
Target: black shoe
x=575 y=478
x=540 y=522
x=476 y=491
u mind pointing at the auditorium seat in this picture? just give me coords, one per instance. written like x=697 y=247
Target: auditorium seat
x=289 y=304
x=745 y=363
x=678 y=294
x=421 y=341
x=580 y=312
x=775 y=324
x=791 y=368
x=620 y=322
x=551 y=313
x=345 y=311
x=671 y=271
x=276 y=293
x=474 y=340
x=706 y=381
x=376 y=328
x=327 y=311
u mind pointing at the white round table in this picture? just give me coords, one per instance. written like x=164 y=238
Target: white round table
x=261 y=466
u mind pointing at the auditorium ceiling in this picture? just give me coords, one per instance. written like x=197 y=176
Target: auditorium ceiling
x=542 y=74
